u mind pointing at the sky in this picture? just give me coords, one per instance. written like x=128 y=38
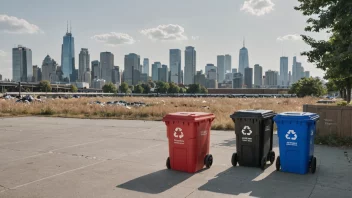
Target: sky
x=271 y=28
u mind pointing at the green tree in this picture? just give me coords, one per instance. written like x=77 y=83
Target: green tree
x=203 y=90
x=45 y=86
x=162 y=87
x=138 y=89
x=146 y=88
x=194 y=88
x=73 y=88
x=182 y=90
x=109 y=88
x=308 y=87
x=334 y=55
x=174 y=88
x=124 y=87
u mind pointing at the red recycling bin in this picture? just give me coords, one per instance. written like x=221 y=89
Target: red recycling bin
x=189 y=138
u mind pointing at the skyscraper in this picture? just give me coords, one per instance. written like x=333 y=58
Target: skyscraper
x=294 y=70
x=22 y=68
x=155 y=67
x=190 y=65
x=146 y=66
x=84 y=64
x=248 y=77
x=306 y=74
x=96 y=70
x=237 y=80
x=283 y=71
x=243 y=59
x=221 y=68
x=228 y=63
x=132 y=63
x=106 y=65
x=116 y=77
x=258 y=76
x=68 y=57
x=234 y=70
x=163 y=73
x=271 y=78
x=209 y=67
x=175 y=65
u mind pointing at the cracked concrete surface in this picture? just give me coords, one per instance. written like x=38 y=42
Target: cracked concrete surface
x=56 y=157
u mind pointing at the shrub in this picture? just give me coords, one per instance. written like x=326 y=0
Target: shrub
x=342 y=103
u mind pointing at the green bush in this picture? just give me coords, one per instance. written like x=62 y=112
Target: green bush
x=342 y=103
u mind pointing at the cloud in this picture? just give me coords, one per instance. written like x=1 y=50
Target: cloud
x=14 y=25
x=290 y=37
x=114 y=38
x=2 y=53
x=166 y=33
x=195 y=38
x=258 y=7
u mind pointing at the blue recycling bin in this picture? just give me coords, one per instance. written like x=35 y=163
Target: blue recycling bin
x=296 y=131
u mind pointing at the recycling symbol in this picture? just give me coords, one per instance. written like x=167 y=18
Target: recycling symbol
x=246 y=130
x=178 y=133
x=291 y=135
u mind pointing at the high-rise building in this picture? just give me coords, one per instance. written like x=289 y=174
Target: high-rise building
x=87 y=76
x=182 y=77
x=155 y=67
x=49 y=68
x=0 y=77
x=243 y=59
x=237 y=80
x=228 y=77
x=221 y=68
x=228 y=63
x=106 y=65
x=22 y=68
x=234 y=70
x=96 y=71
x=248 y=77
x=163 y=73
x=209 y=67
x=212 y=74
x=294 y=70
x=307 y=74
x=116 y=76
x=35 y=73
x=190 y=65
x=258 y=76
x=132 y=63
x=84 y=64
x=175 y=66
x=144 y=78
x=68 y=57
x=289 y=77
x=283 y=71
x=299 y=71
x=199 y=78
x=146 y=66
x=271 y=78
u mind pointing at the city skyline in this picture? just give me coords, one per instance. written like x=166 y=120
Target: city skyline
x=140 y=32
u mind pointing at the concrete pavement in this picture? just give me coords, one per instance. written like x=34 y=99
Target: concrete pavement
x=58 y=157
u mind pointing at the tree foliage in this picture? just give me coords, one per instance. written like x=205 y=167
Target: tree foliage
x=138 y=89
x=73 y=88
x=124 y=87
x=196 y=88
x=45 y=86
x=162 y=87
x=174 y=88
x=109 y=88
x=308 y=87
x=146 y=88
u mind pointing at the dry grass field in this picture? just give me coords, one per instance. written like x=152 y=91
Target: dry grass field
x=156 y=109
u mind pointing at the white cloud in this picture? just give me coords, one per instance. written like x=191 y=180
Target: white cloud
x=166 y=33
x=258 y=7
x=195 y=38
x=14 y=25
x=2 y=53
x=114 y=38
x=290 y=37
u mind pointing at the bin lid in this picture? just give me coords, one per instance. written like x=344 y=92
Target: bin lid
x=188 y=116
x=296 y=116
x=253 y=113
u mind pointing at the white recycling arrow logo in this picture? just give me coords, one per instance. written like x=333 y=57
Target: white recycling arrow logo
x=291 y=135
x=177 y=131
x=246 y=130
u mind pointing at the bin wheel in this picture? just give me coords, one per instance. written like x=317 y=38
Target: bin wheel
x=234 y=159
x=278 y=163
x=313 y=167
x=271 y=157
x=168 y=164
x=208 y=160
x=263 y=163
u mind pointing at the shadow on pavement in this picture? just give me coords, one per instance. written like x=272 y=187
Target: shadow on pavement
x=255 y=183
x=156 y=182
x=229 y=143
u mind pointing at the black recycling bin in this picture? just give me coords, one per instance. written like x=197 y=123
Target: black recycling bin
x=254 y=138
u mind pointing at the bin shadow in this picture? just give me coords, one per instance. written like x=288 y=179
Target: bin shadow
x=228 y=143
x=255 y=183
x=157 y=182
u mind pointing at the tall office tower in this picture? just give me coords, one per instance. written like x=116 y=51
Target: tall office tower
x=96 y=70
x=84 y=63
x=271 y=78
x=237 y=80
x=0 y=77
x=209 y=67
x=234 y=70
x=175 y=66
x=68 y=57
x=228 y=63
x=87 y=76
x=221 y=68
x=116 y=77
x=49 y=68
x=35 y=73
x=146 y=66
x=212 y=74
x=243 y=59
x=248 y=77
x=155 y=67
x=190 y=65
x=199 y=78
x=132 y=63
x=106 y=65
x=22 y=68
x=283 y=71
x=163 y=73
x=294 y=70
x=289 y=78
x=299 y=71
x=306 y=74
x=258 y=76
